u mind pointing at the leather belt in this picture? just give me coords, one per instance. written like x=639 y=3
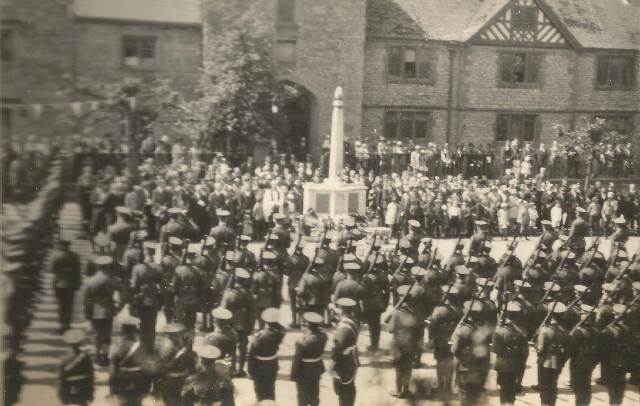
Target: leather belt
x=132 y=369
x=76 y=378
x=309 y=360
x=177 y=374
x=269 y=358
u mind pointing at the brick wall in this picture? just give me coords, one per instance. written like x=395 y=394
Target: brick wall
x=373 y=124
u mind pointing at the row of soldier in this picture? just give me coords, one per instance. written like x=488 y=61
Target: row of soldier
x=569 y=301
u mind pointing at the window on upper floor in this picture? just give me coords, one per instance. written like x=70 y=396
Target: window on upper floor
x=523 y=127
x=138 y=51
x=408 y=64
x=407 y=124
x=519 y=69
x=286 y=11
x=615 y=72
x=524 y=18
x=7 y=45
x=620 y=123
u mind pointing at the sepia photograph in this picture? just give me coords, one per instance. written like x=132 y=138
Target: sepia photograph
x=320 y=202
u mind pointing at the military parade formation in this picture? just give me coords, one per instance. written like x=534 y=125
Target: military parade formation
x=569 y=302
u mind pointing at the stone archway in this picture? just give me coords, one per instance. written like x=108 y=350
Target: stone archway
x=297 y=119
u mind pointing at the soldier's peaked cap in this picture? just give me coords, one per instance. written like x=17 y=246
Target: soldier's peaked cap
x=608 y=287
x=351 y=267
x=173 y=328
x=208 y=352
x=474 y=306
x=581 y=210
x=585 y=308
x=462 y=270
x=242 y=273
x=346 y=302
x=418 y=271
x=175 y=241
x=245 y=238
x=404 y=244
x=522 y=284
x=414 y=223
x=549 y=285
x=312 y=318
x=123 y=210
x=619 y=308
x=318 y=261
x=558 y=307
x=480 y=223
x=222 y=213
x=103 y=260
x=220 y=313
x=74 y=336
x=349 y=257
x=514 y=306
x=580 y=288
x=268 y=256
x=270 y=315
x=174 y=210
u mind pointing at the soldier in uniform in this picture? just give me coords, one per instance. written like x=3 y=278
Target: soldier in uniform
x=579 y=230
x=65 y=266
x=177 y=362
x=614 y=348
x=294 y=267
x=100 y=306
x=75 y=375
x=352 y=286
x=129 y=380
x=414 y=237
x=134 y=253
x=582 y=355
x=549 y=235
x=618 y=239
x=375 y=301
x=311 y=289
x=174 y=227
x=223 y=336
x=344 y=355
x=224 y=234
x=551 y=343
x=120 y=231
x=168 y=265
x=478 y=239
x=188 y=290
x=239 y=301
x=283 y=242
x=405 y=326
x=470 y=346
x=146 y=300
x=211 y=384
x=307 y=366
x=511 y=349
x=244 y=257
x=264 y=286
x=263 y=355
x=441 y=324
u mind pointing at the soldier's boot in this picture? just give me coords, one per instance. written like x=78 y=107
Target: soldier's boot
x=398 y=392
x=242 y=357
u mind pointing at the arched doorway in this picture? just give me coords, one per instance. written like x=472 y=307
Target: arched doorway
x=295 y=119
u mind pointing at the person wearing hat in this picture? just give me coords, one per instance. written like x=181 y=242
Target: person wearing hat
x=211 y=383
x=245 y=257
x=329 y=256
x=168 y=264
x=414 y=236
x=65 y=267
x=401 y=275
x=263 y=355
x=344 y=355
x=177 y=361
x=511 y=349
x=307 y=365
x=146 y=299
x=173 y=227
x=129 y=379
x=618 y=239
x=312 y=290
x=582 y=354
x=75 y=375
x=100 y=306
x=375 y=300
x=294 y=267
x=188 y=288
x=407 y=331
x=238 y=299
x=224 y=235
x=223 y=336
x=351 y=286
x=486 y=266
x=265 y=285
x=478 y=239
x=579 y=230
x=283 y=242
x=551 y=346
x=470 y=347
x=441 y=325
x=614 y=353
x=120 y=232
x=549 y=235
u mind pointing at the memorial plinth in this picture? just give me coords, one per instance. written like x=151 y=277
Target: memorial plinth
x=334 y=198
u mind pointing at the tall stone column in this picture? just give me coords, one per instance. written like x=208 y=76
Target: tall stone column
x=336 y=151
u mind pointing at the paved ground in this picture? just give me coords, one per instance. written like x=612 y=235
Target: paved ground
x=375 y=379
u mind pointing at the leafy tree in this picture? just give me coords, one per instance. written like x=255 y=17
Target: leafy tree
x=237 y=88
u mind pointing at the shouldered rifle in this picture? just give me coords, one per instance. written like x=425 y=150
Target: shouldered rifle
x=455 y=248
x=340 y=260
x=402 y=263
x=544 y=322
x=397 y=247
x=185 y=251
x=579 y=297
x=510 y=250
x=534 y=255
x=375 y=238
x=267 y=240
x=593 y=249
x=584 y=320
x=203 y=245
x=372 y=264
x=446 y=295
x=400 y=302
x=625 y=269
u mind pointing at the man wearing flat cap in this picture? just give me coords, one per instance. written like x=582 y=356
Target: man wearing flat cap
x=307 y=365
x=75 y=375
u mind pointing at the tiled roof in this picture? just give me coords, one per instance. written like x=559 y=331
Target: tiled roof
x=594 y=23
x=152 y=11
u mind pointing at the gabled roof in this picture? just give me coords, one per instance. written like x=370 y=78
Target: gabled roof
x=151 y=11
x=611 y=24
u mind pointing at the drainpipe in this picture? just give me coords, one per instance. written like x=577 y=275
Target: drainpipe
x=453 y=50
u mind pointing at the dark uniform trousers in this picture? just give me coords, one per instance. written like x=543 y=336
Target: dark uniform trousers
x=580 y=376
x=548 y=382
x=346 y=392
x=65 y=306
x=508 y=382
x=264 y=382
x=373 y=321
x=148 y=316
x=308 y=392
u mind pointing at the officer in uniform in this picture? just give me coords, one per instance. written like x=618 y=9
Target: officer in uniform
x=65 y=267
x=375 y=301
x=582 y=354
x=263 y=355
x=239 y=301
x=344 y=355
x=551 y=344
x=579 y=230
x=177 y=362
x=329 y=256
x=244 y=257
x=100 y=306
x=211 y=384
x=75 y=375
x=283 y=242
x=146 y=300
x=223 y=336
x=470 y=346
x=511 y=349
x=294 y=267
x=307 y=366
x=168 y=265
x=311 y=289
x=120 y=231
x=264 y=286
x=351 y=287
x=188 y=289
x=441 y=324
x=225 y=236
x=129 y=380
x=406 y=328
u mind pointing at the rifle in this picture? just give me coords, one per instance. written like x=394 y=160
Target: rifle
x=375 y=238
x=595 y=245
x=185 y=251
x=372 y=264
x=445 y=296
x=340 y=260
x=544 y=321
x=627 y=309
x=397 y=247
x=578 y=298
x=203 y=245
x=624 y=270
x=581 y=322
x=510 y=249
x=455 y=247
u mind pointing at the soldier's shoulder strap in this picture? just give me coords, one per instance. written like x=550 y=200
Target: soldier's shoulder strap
x=75 y=361
x=131 y=352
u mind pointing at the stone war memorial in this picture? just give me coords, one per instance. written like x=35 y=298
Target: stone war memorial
x=333 y=198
